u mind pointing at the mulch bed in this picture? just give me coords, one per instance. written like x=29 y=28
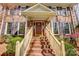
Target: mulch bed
x=4 y=54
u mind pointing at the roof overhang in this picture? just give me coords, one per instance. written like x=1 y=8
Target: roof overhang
x=38 y=10
x=49 y=4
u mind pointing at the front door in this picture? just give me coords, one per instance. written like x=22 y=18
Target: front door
x=38 y=28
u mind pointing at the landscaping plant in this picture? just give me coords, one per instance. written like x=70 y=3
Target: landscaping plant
x=70 y=51
x=12 y=44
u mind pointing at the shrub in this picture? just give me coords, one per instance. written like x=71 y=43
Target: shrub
x=12 y=43
x=70 y=51
x=66 y=39
x=2 y=39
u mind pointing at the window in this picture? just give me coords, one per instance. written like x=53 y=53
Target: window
x=55 y=27
x=16 y=28
x=12 y=28
x=9 y=27
x=58 y=10
x=63 y=12
x=68 y=11
x=12 y=12
x=22 y=28
x=66 y=28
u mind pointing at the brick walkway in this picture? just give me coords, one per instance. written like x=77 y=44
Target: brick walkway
x=2 y=48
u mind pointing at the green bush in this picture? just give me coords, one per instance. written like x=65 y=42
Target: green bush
x=12 y=43
x=66 y=39
x=70 y=51
x=2 y=39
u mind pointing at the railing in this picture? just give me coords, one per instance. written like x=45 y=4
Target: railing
x=55 y=44
x=23 y=47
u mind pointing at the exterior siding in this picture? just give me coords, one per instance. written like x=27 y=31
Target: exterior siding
x=15 y=15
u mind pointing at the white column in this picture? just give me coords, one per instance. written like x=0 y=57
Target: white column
x=17 y=50
x=26 y=26
x=6 y=28
x=2 y=21
x=9 y=12
x=52 y=25
x=58 y=28
x=1 y=26
x=69 y=29
x=19 y=12
x=18 y=27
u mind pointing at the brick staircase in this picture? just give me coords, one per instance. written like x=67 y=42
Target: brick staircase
x=40 y=46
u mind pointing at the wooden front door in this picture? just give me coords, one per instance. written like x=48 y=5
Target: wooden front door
x=38 y=28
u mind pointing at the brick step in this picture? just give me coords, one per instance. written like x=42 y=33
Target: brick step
x=33 y=41
x=35 y=54
x=37 y=50
x=36 y=41
x=48 y=54
x=33 y=48
x=37 y=44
